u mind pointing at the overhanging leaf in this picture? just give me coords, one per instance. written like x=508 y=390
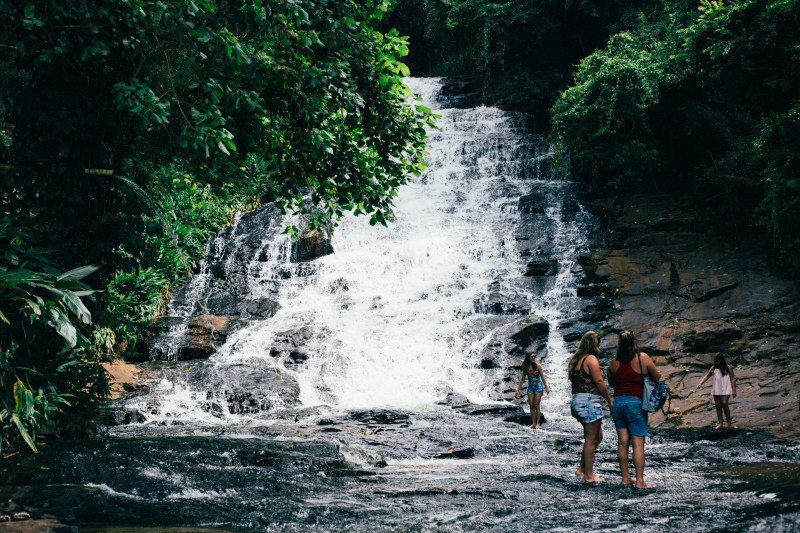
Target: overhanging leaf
x=63 y=326
x=77 y=273
x=24 y=433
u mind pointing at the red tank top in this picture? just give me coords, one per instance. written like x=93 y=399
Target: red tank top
x=627 y=382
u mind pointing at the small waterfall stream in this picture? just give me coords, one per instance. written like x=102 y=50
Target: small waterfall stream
x=388 y=320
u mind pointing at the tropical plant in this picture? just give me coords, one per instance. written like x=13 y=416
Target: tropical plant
x=43 y=346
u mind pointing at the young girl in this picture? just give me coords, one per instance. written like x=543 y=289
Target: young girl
x=537 y=384
x=723 y=386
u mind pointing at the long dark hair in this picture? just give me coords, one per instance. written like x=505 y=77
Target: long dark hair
x=590 y=343
x=529 y=362
x=722 y=366
x=626 y=347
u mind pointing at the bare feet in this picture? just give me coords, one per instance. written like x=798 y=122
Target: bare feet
x=643 y=485
x=726 y=425
x=719 y=426
x=593 y=479
x=579 y=471
x=537 y=426
x=627 y=481
x=532 y=427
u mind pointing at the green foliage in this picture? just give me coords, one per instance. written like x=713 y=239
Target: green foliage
x=43 y=347
x=602 y=119
x=306 y=85
x=776 y=149
x=132 y=298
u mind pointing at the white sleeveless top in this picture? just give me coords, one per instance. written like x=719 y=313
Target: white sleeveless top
x=721 y=385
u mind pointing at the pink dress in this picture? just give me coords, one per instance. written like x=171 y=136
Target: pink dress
x=721 y=386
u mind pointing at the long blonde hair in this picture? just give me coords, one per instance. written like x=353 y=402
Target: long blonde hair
x=590 y=344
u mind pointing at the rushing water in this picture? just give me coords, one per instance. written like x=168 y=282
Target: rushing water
x=385 y=416
x=385 y=314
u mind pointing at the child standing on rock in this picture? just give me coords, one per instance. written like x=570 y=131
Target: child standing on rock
x=537 y=384
x=722 y=388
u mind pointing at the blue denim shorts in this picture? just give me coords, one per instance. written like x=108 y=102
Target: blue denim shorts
x=586 y=407
x=628 y=414
x=536 y=387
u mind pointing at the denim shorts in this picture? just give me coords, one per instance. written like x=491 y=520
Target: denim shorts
x=536 y=387
x=586 y=407
x=628 y=414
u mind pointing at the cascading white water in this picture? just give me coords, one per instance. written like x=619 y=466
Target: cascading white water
x=386 y=313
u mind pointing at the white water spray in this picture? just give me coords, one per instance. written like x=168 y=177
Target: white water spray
x=385 y=314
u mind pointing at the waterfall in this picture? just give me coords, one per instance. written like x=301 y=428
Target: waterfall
x=400 y=317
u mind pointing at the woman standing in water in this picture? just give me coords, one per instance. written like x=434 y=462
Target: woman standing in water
x=625 y=375
x=722 y=388
x=537 y=384
x=588 y=391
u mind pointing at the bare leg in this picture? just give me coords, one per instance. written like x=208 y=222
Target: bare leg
x=718 y=405
x=592 y=436
x=723 y=400
x=531 y=405
x=623 y=444
x=638 y=461
x=537 y=402
x=580 y=470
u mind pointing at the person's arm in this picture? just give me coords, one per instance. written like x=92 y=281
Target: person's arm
x=705 y=378
x=652 y=371
x=733 y=381
x=597 y=378
x=612 y=371
x=544 y=381
x=521 y=379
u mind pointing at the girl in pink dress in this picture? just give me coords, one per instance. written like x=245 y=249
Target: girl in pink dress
x=722 y=388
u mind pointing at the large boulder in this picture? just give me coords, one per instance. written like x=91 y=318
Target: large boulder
x=310 y=245
x=175 y=338
x=206 y=333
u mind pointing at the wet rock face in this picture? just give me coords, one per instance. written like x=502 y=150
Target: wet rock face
x=502 y=355
x=199 y=337
x=310 y=245
x=680 y=276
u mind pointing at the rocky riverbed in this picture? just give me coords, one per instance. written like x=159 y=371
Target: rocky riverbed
x=460 y=468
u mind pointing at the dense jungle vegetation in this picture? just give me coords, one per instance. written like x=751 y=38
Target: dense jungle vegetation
x=134 y=129
x=647 y=95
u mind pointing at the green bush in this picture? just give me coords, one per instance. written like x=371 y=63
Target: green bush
x=602 y=118
x=776 y=149
x=132 y=298
x=47 y=368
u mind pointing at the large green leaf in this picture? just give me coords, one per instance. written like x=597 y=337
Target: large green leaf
x=24 y=433
x=19 y=396
x=77 y=273
x=63 y=326
x=75 y=305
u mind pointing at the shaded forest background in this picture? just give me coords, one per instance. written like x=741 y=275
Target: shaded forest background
x=134 y=129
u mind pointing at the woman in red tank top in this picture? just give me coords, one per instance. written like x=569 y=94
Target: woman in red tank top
x=625 y=376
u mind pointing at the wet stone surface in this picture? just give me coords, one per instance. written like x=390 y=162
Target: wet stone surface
x=444 y=469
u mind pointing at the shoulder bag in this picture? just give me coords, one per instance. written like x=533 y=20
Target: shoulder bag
x=654 y=394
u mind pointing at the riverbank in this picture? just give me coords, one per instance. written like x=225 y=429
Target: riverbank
x=678 y=271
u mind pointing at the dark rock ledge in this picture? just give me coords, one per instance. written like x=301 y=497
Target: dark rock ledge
x=690 y=286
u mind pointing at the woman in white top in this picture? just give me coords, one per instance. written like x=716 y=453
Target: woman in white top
x=722 y=387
